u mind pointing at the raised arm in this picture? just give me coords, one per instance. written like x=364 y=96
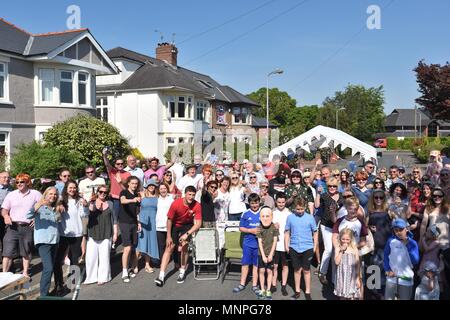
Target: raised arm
x=108 y=165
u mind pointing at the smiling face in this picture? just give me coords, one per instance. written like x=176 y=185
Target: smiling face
x=325 y=173
x=133 y=185
x=163 y=190
x=352 y=211
x=281 y=204
x=398 y=191
x=189 y=197
x=254 y=205
x=72 y=189
x=225 y=184
x=52 y=195
x=131 y=162
x=191 y=171
x=402 y=234
x=102 y=193
x=4 y=178
x=345 y=239
x=427 y=191
x=65 y=176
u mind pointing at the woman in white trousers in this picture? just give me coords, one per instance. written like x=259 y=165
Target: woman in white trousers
x=102 y=232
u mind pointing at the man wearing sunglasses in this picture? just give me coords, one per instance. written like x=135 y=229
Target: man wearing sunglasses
x=64 y=176
x=118 y=177
x=369 y=168
x=394 y=177
x=18 y=240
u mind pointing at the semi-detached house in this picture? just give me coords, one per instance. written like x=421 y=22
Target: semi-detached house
x=158 y=104
x=45 y=78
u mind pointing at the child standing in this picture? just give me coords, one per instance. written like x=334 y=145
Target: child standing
x=398 y=209
x=346 y=257
x=429 y=285
x=401 y=254
x=267 y=235
x=301 y=241
x=280 y=216
x=248 y=224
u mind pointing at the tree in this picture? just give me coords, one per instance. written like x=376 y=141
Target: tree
x=87 y=136
x=434 y=85
x=363 y=115
x=43 y=161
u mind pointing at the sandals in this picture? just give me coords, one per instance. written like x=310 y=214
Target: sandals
x=239 y=288
x=149 y=270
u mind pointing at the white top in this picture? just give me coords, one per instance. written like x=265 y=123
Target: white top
x=342 y=212
x=85 y=187
x=280 y=217
x=161 y=212
x=221 y=205
x=71 y=225
x=178 y=169
x=187 y=180
x=136 y=172
x=237 y=197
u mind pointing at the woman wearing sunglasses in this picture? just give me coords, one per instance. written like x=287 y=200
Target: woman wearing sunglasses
x=378 y=184
x=379 y=223
x=329 y=204
x=437 y=212
x=103 y=230
x=266 y=199
x=237 y=198
x=361 y=191
x=297 y=189
x=169 y=179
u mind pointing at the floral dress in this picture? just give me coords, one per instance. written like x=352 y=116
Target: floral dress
x=346 y=277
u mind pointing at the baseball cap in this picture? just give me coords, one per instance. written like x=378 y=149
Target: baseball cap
x=430 y=266
x=151 y=183
x=306 y=174
x=296 y=170
x=399 y=224
x=401 y=169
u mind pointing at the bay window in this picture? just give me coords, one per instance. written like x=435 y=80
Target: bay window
x=240 y=115
x=82 y=88
x=47 y=83
x=66 y=87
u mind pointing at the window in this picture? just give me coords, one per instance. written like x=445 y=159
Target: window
x=200 y=111
x=82 y=88
x=2 y=80
x=170 y=140
x=181 y=107
x=171 y=107
x=102 y=109
x=3 y=142
x=240 y=115
x=66 y=87
x=47 y=82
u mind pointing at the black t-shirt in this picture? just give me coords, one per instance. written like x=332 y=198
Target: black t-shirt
x=207 y=207
x=128 y=212
x=325 y=202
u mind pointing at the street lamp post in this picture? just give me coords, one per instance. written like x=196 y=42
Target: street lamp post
x=337 y=116
x=277 y=71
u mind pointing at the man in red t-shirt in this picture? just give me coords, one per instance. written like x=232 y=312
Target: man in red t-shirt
x=118 y=178
x=184 y=218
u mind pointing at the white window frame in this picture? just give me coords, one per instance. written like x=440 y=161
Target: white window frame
x=74 y=96
x=88 y=87
x=41 y=101
x=103 y=107
x=5 y=74
x=241 y=109
x=7 y=133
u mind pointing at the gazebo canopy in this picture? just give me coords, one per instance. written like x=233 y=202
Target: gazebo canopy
x=338 y=137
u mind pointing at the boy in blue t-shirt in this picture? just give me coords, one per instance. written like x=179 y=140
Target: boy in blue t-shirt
x=301 y=241
x=248 y=224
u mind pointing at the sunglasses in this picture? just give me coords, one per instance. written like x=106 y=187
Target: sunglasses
x=219 y=174
x=20 y=182
x=444 y=174
x=168 y=174
x=382 y=171
x=416 y=171
x=119 y=163
x=102 y=192
x=333 y=186
x=213 y=187
x=66 y=176
x=337 y=175
x=378 y=182
x=438 y=196
x=392 y=171
x=264 y=187
x=90 y=172
x=371 y=167
x=378 y=198
x=234 y=178
x=252 y=177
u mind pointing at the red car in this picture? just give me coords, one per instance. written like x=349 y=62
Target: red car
x=380 y=143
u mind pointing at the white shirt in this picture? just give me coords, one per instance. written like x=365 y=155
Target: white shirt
x=71 y=225
x=136 y=172
x=280 y=217
x=178 y=170
x=187 y=180
x=237 y=197
x=85 y=187
x=221 y=205
x=161 y=212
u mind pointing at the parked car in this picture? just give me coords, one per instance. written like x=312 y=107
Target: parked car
x=380 y=143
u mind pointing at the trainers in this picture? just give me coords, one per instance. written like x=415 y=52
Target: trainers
x=273 y=289
x=284 y=291
x=308 y=296
x=126 y=279
x=255 y=289
x=296 y=296
x=268 y=295
x=261 y=294
x=159 y=282
x=181 y=278
x=239 y=288
x=323 y=279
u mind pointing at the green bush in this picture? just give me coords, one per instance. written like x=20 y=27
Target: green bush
x=44 y=161
x=87 y=136
x=392 y=143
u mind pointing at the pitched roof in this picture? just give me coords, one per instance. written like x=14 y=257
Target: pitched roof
x=155 y=73
x=18 y=41
x=405 y=117
x=261 y=123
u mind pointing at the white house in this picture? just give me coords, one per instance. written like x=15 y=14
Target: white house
x=157 y=104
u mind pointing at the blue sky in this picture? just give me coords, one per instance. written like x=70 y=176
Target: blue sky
x=322 y=45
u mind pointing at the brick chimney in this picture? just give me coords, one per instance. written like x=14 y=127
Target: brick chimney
x=167 y=52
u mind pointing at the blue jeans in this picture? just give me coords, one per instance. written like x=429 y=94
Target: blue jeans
x=47 y=252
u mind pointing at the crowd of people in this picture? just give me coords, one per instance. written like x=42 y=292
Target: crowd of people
x=342 y=222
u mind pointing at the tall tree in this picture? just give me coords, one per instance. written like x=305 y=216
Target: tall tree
x=362 y=112
x=434 y=85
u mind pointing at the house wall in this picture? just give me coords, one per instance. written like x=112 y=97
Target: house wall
x=126 y=68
